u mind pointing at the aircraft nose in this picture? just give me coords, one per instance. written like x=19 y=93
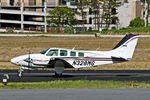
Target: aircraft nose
x=14 y=61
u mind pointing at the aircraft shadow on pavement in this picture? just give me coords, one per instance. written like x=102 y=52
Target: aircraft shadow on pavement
x=50 y=76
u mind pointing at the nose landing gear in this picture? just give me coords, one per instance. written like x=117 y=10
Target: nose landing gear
x=20 y=72
x=22 y=68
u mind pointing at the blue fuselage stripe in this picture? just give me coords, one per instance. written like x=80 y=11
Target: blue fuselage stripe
x=94 y=59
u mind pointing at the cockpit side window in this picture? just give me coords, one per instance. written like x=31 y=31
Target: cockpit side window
x=72 y=54
x=53 y=52
x=80 y=54
x=44 y=51
x=63 y=52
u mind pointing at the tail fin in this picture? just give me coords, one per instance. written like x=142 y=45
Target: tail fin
x=126 y=47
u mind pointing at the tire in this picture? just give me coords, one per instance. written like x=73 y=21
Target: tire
x=59 y=68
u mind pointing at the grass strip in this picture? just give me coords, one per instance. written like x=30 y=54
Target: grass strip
x=75 y=84
x=137 y=30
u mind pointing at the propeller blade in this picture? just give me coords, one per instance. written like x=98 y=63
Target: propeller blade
x=29 y=59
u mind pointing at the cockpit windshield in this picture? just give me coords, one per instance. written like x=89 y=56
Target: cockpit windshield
x=44 y=51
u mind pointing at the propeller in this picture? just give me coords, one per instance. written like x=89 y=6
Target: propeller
x=29 y=59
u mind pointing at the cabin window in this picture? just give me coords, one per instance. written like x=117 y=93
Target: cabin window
x=53 y=52
x=81 y=54
x=44 y=51
x=63 y=52
x=72 y=54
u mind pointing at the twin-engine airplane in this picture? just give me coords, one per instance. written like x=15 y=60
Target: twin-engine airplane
x=60 y=58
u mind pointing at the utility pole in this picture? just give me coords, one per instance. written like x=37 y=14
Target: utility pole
x=45 y=14
x=22 y=17
x=0 y=14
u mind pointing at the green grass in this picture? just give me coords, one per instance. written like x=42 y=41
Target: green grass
x=139 y=30
x=75 y=84
x=87 y=32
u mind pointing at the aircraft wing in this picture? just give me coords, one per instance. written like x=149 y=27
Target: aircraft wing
x=74 y=62
x=51 y=63
x=66 y=62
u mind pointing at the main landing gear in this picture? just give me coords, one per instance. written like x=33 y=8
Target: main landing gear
x=59 y=68
x=58 y=75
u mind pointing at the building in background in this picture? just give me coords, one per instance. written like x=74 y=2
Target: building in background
x=25 y=14
x=128 y=11
x=28 y=14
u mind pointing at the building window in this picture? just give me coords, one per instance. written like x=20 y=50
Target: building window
x=90 y=11
x=90 y=20
x=125 y=1
x=62 y=2
x=32 y=2
x=11 y=2
x=43 y=2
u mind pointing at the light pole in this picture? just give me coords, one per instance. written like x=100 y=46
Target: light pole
x=22 y=16
x=45 y=14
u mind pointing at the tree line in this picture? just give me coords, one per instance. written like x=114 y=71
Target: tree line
x=104 y=12
x=147 y=9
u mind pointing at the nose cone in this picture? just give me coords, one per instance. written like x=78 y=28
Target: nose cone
x=15 y=61
x=20 y=60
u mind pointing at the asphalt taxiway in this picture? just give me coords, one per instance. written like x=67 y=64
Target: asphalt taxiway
x=76 y=94
x=46 y=75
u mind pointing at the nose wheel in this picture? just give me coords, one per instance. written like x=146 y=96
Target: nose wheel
x=20 y=72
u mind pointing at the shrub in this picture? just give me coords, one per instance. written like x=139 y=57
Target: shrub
x=137 y=22
x=68 y=30
x=10 y=30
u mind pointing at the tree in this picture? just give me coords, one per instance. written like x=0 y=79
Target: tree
x=147 y=10
x=110 y=11
x=61 y=16
x=95 y=5
x=81 y=6
x=105 y=11
x=137 y=22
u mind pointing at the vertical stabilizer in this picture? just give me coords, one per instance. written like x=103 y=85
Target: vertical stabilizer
x=126 y=47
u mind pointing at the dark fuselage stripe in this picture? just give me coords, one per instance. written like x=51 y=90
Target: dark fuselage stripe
x=97 y=59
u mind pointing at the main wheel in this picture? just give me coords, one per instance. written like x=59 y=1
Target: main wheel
x=58 y=75
x=59 y=68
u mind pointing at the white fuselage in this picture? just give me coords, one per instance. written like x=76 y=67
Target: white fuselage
x=59 y=58
x=79 y=59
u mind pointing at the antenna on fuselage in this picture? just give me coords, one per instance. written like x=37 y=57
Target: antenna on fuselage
x=74 y=47
x=97 y=49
